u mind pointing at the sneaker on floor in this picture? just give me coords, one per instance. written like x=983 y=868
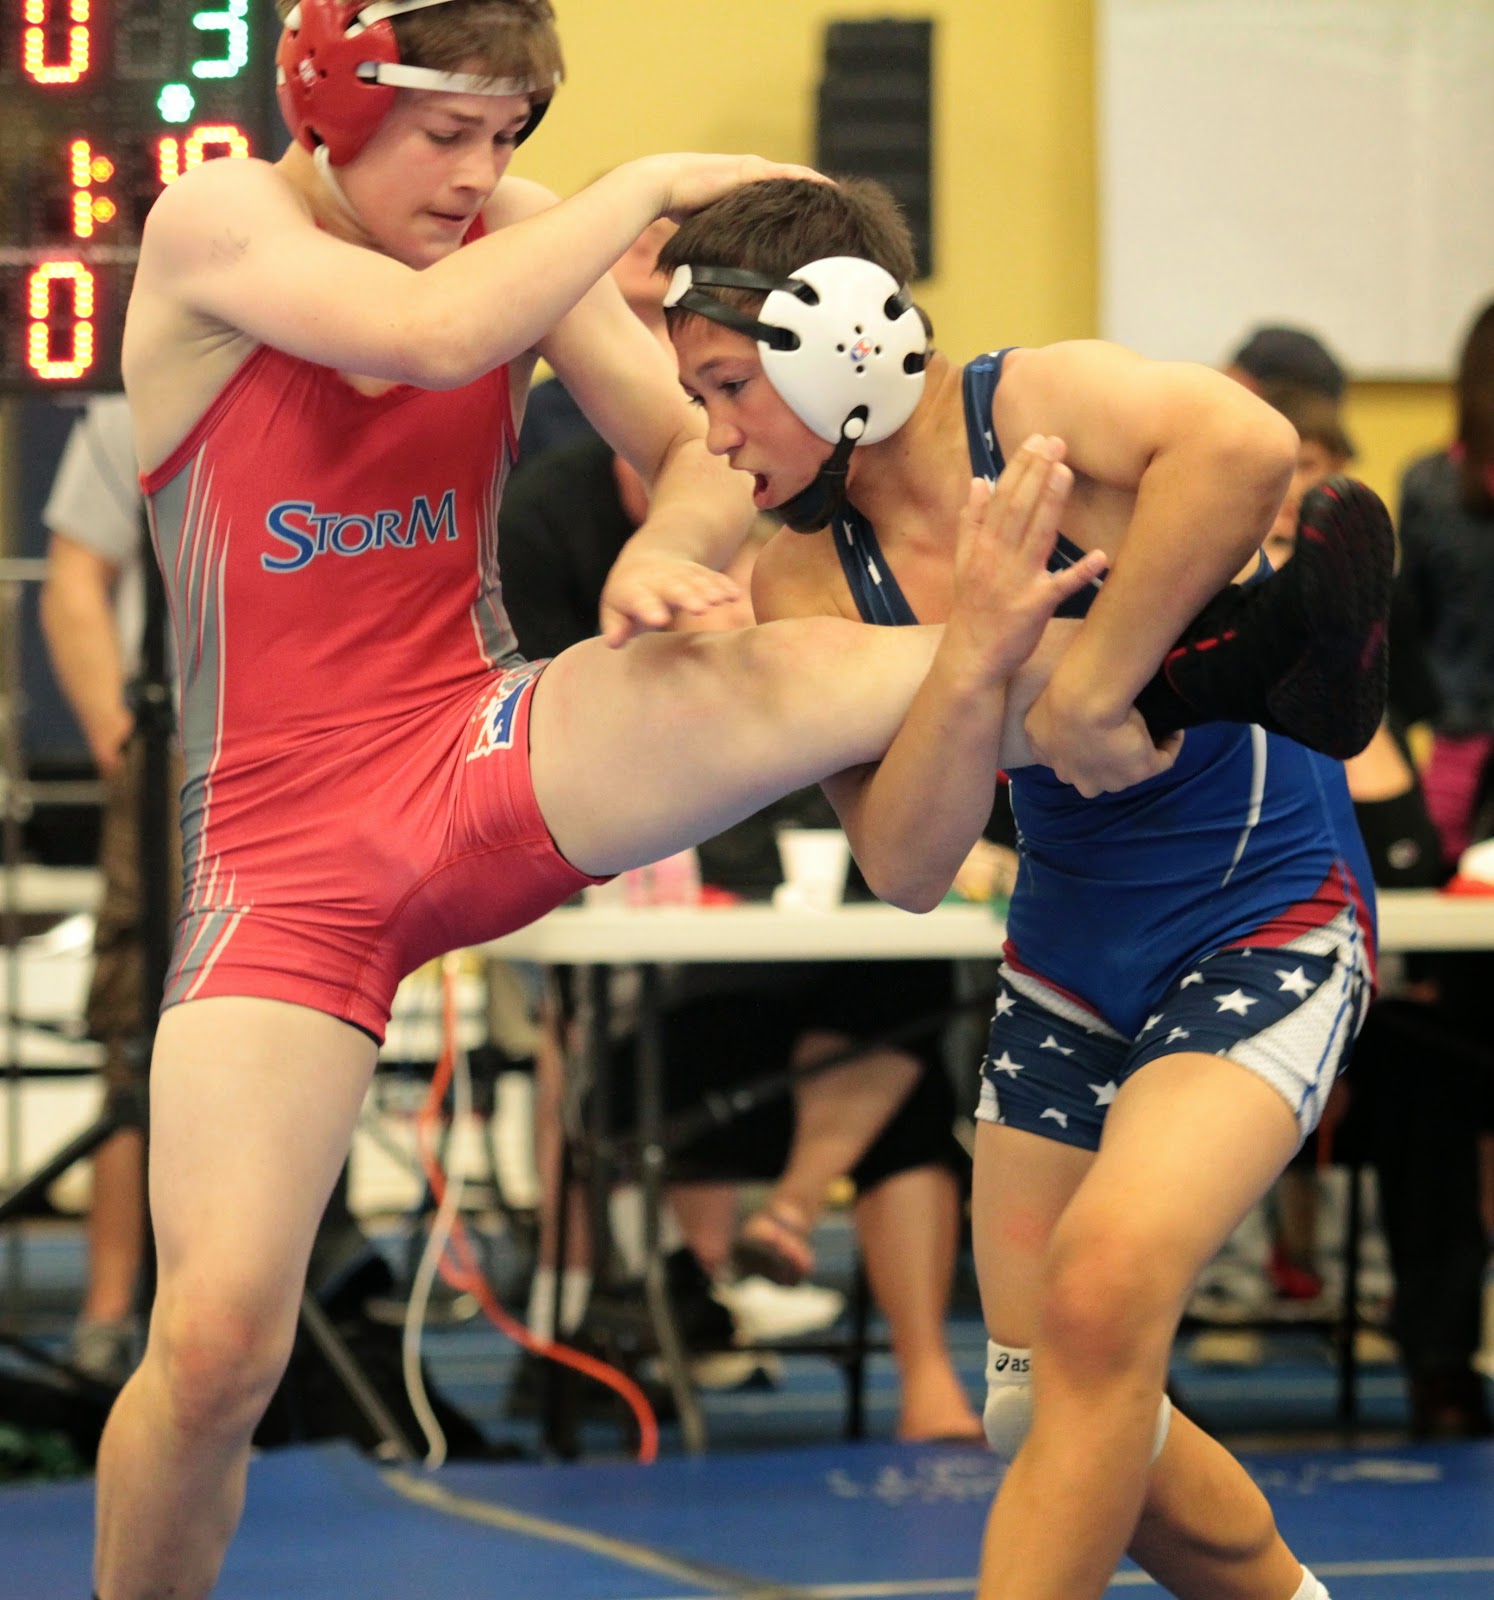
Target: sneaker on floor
x=765 y=1312
x=1375 y=1349
x=1228 y=1347
x=107 y=1352
x=736 y=1369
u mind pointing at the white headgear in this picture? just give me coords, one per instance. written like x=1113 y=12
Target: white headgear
x=841 y=341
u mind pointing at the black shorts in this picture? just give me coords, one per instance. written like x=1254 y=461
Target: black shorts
x=719 y=1042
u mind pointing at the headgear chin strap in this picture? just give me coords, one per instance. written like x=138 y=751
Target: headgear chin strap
x=843 y=346
x=337 y=69
x=824 y=498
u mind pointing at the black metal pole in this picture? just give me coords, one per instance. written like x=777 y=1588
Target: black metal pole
x=151 y=701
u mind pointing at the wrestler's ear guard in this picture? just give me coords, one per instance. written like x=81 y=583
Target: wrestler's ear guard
x=337 y=68
x=843 y=345
x=838 y=336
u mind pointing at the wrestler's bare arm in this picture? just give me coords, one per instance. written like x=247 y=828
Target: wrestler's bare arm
x=1179 y=472
x=234 y=244
x=699 y=509
x=913 y=817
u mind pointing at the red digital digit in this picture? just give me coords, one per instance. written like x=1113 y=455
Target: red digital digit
x=34 y=42
x=175 y=156
x=85 y=168
x=50 y=281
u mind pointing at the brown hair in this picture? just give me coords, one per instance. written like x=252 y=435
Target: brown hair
x=777 y=226
x=1475 y=391
x=1313 y=414
x=501 y=38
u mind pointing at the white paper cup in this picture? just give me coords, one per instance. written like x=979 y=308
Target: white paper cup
x=815 y=863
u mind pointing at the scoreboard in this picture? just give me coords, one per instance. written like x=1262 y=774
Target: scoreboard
x=102 y=104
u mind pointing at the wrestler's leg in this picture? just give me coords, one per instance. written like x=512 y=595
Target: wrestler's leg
x=639 y=752
x=252 y=1109
x=1103 y=1299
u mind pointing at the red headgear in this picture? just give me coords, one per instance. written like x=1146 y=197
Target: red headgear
x=338 y=66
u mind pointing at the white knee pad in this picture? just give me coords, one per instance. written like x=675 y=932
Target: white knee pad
x=1008 y=1413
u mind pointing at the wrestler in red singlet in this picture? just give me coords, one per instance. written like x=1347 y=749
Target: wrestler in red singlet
x=348 y=673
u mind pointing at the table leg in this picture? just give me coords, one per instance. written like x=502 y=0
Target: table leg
x=652 y=1159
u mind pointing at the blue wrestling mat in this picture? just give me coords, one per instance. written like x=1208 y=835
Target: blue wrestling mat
x=844 y=1522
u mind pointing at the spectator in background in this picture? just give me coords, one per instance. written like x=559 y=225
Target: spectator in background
x=1291 y=358
x=552 y=417
x=1447 y=577
x=1295 y=371
x=886 y=1118
x=1422 y=1139
x=93 y=615
x=93 y=619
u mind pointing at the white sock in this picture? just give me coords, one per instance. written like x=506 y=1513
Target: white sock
x=575 y=1292
x=1310 y=1588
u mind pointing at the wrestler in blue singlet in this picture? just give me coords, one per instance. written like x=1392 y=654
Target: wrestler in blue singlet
x=1134 y=913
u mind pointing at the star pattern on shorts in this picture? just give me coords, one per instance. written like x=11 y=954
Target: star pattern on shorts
x=1151 y=1022
x=1104 y=1093
x=1296 y=982
x=1236 y=1000
x=1005 y=1005
x=1060 y=1117
x=1193 y=977
x=1176 y=1034
x=1004 y=1063
x=1050 y=1043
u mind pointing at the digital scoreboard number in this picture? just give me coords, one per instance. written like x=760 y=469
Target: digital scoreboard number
x=102 y=104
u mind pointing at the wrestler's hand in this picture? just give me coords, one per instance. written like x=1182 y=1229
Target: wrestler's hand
x=689 y=182
x=1097 y=750
x=1004 y=594
x=646 y=592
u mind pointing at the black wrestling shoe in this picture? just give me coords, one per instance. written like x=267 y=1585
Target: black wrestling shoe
x=1303 y=654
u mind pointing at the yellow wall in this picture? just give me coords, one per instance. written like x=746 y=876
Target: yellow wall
x=1014 y=185
x=1015 y=182
x=1015 y=179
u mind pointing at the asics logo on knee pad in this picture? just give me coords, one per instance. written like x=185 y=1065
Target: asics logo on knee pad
x=1010 y=1361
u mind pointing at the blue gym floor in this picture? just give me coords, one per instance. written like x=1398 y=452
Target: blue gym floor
x=781 y=1507
x=837 y=1522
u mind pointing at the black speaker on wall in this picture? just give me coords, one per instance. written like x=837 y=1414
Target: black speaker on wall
x=875 y=115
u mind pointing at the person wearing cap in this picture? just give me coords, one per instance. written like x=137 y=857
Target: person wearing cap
x=1187 y=960
x=1424 y=1146
x=1288 y=357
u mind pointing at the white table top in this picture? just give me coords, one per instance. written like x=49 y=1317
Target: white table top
x=46 y=890
x=1410 y=919
x=1424 y=919
x=867 y=931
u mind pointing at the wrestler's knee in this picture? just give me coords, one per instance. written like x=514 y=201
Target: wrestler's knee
x=1108 y=1303
x=1008 y=1411
x=219 y=1356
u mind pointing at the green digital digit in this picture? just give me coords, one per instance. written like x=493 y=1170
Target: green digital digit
x=229 y=21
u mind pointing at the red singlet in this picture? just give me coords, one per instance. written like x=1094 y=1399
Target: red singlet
x=355 y=714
